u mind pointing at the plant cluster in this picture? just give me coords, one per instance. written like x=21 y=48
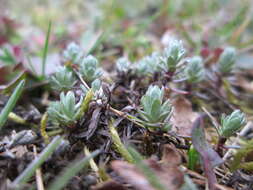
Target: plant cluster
x=73 y=53
x=63 y=79
x=89 y=69
x=65 y=110
x=79 y=83
x=172 y=55
x=227 y=60
x=110 y=99
x=232 y=123
x=155 y=110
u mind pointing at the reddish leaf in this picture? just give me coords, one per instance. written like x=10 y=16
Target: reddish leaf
x=205 y=52
x=209 y=156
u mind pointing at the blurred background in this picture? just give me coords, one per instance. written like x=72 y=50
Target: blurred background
x=130 y=27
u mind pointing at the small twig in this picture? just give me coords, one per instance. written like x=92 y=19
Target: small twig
x=215 y=123
x=126 y=116
x=81 y=79
x=101 y=175
x=232 y=146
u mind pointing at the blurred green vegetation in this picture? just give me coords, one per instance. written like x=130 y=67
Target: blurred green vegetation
x=130 y=23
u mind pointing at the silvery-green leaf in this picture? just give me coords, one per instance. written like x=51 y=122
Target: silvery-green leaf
x=144 y=115
x=227 y=60
x=155 y=110
x=172 y=55
x=89 y=68
x=232 y=123
x=63 y=79
x=194 y=70
x=72 y=53
x=123 y=64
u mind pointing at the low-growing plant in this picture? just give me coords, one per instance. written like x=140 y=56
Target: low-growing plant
x=123 y=65
x=154 y=109
x=230 y=124
x=96 y=85
x=194 y=70
x=63 y=79
x=73 y=53
x=89 y=69
x=148 y=65
x=172 y=55
x=227 y=60
x=65 y=111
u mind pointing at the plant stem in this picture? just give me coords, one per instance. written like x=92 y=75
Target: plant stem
x=219 y=147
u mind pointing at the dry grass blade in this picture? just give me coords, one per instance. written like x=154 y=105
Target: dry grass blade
x=119 y=145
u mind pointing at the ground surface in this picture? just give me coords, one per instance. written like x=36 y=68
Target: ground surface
x=183 y=151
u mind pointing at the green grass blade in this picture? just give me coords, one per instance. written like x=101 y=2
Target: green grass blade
x=146 y=170
x=36 y=163
x=7 y=58
x=31 y=65
x=100 y=39
x=11 y=103
x=71 y=170
x=193 y=158
x=45 y=50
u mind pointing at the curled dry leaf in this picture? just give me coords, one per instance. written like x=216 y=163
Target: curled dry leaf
x=167 y=171
x=183 y=117
x=93 y=123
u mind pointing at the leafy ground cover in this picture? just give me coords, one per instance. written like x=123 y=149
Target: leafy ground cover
x=126 y=95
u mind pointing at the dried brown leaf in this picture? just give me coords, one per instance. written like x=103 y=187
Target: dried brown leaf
x=167 y=171
x=171 y=156
x=183 y=117
x=130 y=173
